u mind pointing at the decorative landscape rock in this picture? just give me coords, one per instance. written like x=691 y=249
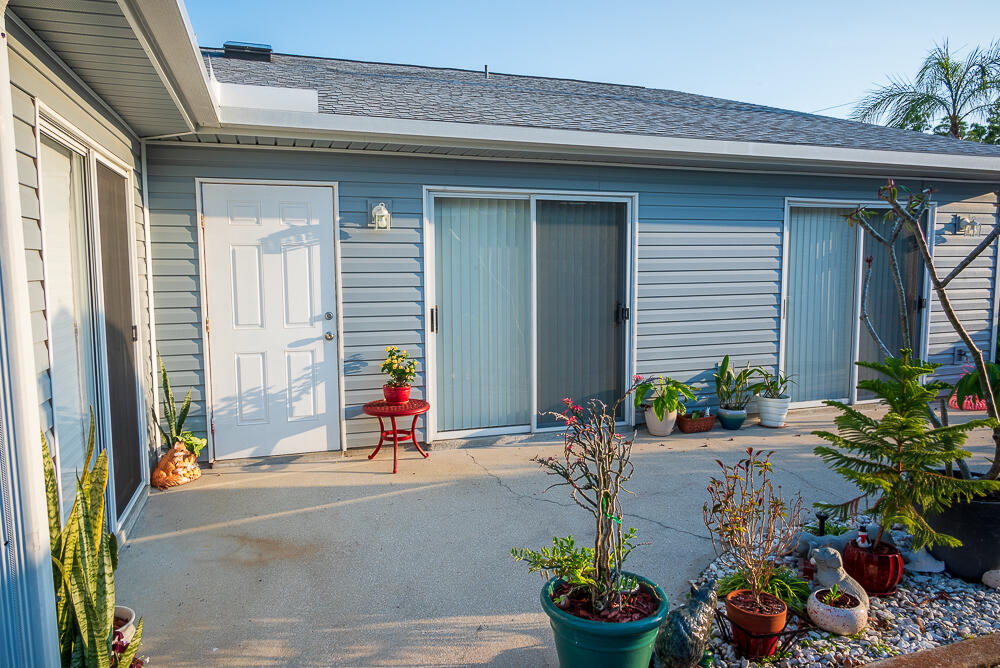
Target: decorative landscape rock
x=685 y=632
x=921 y=561
x=842 y=621
x=992 y=579
x=830 y=571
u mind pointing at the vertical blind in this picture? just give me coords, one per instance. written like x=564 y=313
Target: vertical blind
x=581 y=283
x=483 y=289
x=821 y=303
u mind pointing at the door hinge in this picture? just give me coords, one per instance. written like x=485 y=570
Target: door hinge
x=135 y=333
x=202 y=221
x=434 y=320
x=622 y=312
x=213 y=426
x=208 y=326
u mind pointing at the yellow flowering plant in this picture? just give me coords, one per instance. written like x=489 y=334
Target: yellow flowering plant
x=399 y=367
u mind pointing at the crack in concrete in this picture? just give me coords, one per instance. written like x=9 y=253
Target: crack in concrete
x=807 y=481
x=668 y=527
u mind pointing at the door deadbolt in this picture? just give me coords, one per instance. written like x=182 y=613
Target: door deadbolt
x=328 y=336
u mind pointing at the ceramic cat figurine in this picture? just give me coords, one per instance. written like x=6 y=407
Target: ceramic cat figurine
x=685 y=633
x=830 y=571
x=176 y=467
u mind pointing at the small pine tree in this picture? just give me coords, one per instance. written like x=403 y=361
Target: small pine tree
x=895 y=461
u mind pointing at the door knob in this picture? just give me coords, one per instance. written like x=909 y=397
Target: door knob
x=328 y=336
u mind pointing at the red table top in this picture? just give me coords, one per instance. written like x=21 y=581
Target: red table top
x=382 y=408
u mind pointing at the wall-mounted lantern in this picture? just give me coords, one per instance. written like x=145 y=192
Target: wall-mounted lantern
x=381 y=218
x=967 y=227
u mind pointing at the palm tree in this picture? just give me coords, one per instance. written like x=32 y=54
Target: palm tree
x=952 y=89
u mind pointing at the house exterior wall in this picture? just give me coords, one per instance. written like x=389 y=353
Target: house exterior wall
x=35 y=74
x=709 y=256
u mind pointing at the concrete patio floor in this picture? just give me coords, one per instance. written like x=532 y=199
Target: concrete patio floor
x=325 y=560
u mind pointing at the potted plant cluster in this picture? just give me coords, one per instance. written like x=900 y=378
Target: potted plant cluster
x=734 y=391
x=662 y=400
x=896 y=463
x=751 y=525
x=91 y=628
x=772 y=397
x=401 y=371
x=179 y=464
x=601 y=615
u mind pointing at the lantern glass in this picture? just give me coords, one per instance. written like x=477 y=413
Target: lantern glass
x=381 y=219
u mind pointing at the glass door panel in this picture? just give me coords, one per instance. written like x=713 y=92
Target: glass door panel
x=482 y=249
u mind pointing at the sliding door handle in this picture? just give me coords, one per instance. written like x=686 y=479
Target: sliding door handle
x=434 y=319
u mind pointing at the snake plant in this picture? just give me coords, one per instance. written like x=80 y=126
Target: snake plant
x=175 y=418
x=84 y=559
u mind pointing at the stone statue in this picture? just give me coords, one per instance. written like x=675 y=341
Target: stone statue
x=685 y=633
x=830 y=571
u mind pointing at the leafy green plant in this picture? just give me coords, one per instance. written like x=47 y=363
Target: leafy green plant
x=783 y=583
x=399 y=367
x=663 y=395
x=772 y=385
x=174 y=418
x=750 y=524
x=84 y=558
x=894 y=461
x=829 y=529
x=595 y=465
x=734 y=389
x=831 y=595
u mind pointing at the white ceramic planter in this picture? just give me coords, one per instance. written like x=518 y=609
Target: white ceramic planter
x=658 y=427
x=129 y=629
x=773 y=411
x=842 y=621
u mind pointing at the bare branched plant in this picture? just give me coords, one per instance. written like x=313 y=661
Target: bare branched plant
x=595 y=465
x=749 y=522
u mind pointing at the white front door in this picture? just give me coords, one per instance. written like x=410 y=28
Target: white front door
x=272 y=321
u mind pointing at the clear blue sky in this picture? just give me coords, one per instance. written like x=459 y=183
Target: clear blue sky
x=797 y=54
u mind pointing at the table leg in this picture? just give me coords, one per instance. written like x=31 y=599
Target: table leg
x=395 y=445
x=381 y=437
x=413 y=435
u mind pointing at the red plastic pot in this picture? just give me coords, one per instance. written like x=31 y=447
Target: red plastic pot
x=748 y=626
x=878 y=572
x=396 y=394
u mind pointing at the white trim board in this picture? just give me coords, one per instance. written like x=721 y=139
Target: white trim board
x=429 y=193
x=334 y=187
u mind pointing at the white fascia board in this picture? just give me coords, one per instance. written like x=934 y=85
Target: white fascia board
x=242 y=120
x=167 y=29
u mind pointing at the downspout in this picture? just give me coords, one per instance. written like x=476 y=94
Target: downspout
x=21 y=411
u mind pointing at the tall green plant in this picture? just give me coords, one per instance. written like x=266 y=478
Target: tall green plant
x=84 y=558
x=174 y=419
x=664 y=395
x=734 y=389
x=895 y=461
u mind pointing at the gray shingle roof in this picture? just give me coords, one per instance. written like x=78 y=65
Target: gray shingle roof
x=438 y=94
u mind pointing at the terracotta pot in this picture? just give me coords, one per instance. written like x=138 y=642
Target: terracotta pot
x=396 y=394
x=745 y=623
x=877 y=573
x=690 y=425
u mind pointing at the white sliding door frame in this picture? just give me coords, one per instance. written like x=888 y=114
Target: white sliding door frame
x=819 y=203
x=334 y=187
x=430 y=193
x=51 y=124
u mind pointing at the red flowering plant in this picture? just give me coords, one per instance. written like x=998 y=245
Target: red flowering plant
x=595 y=465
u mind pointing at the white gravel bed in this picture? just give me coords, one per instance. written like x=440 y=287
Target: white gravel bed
x=927 y=610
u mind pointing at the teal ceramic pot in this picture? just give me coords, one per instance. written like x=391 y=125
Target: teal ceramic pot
x=583 y=643
x=731 y=419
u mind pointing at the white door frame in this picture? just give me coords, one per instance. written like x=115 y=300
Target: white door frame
x=50 y=123
x=532 y=195
x=823 y=203
x=334 y=187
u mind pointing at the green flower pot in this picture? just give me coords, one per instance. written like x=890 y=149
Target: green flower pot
x=582 y=643
x=730 y=419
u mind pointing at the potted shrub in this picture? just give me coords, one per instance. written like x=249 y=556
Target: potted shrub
x=180 y=463
x=696 y=421
x=734 y=391
x=601 y=615
x=893 y=461
x=837 y=611
x=772 y=397
x=751 y=526
x=662 y=400
x=783 y=583
x=401 y=371
x=975 y=522
x=84 y=558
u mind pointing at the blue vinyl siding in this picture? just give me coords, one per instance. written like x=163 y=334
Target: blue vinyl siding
x=709 y=268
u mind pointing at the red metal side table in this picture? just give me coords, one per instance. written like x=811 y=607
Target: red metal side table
x=383 y=409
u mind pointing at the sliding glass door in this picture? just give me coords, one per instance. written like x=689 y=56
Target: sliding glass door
x=531 y=305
